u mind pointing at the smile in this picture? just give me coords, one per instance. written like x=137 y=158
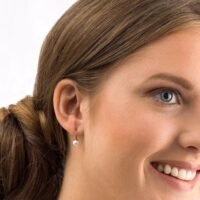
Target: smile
x=179 y=175
x=182 y=174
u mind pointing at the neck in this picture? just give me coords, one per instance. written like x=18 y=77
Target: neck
x=77 y=184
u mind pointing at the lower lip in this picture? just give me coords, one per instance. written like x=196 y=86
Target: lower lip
x=176 y=183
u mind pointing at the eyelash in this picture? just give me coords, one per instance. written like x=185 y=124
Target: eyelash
x=173 y=91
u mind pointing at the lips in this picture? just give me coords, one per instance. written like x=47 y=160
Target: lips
x=178 y=174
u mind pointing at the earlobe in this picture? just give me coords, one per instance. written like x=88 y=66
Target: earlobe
x=66 y=102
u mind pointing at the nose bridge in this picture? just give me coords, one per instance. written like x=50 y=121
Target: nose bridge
x=194 y=116
x=190 y=136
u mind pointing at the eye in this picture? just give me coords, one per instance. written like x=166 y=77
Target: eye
x=167 y=96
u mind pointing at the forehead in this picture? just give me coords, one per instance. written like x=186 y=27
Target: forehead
x=176 y=53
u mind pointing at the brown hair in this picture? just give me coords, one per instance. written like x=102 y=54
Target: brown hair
x=83 y=45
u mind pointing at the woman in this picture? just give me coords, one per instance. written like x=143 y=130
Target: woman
x=115 y=109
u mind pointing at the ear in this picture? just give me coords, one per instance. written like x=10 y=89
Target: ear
x=67 y=102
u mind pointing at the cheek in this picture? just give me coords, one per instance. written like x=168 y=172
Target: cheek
x=132 y=131
x=122 y=138
x=148 y=132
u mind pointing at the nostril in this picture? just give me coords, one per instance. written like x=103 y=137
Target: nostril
x=193 y=149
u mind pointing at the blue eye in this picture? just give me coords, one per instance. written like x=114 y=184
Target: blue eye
x=167 y=96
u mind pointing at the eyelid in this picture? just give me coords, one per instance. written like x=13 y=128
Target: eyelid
x=178 y=94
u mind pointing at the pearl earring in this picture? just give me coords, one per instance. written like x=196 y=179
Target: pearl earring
x=75 y=142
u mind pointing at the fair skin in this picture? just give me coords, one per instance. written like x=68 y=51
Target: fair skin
x=128 y=126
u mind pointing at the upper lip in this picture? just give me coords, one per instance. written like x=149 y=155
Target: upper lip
x=180 y=164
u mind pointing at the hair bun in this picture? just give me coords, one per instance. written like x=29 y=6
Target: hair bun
x=27 y=116
x=23 y=105
x=24 y=112
x=3 y=113
x=24 y=150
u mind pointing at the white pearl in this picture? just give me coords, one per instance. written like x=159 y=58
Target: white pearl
x=75 y=142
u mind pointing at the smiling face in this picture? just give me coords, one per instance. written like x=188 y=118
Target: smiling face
x=148 y=110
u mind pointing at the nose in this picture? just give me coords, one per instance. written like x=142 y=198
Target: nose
x=189 y=142
x=189 y=139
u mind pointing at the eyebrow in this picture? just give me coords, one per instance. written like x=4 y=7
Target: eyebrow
x=176 y=79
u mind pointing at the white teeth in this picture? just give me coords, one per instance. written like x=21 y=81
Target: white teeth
x=189 y=175
x=167 y=169
x=174 y=171
x=160 y=168
x=182 y=174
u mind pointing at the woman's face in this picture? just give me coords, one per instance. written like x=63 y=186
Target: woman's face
x=148 y=111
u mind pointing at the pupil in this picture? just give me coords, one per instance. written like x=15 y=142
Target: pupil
x=167 y=96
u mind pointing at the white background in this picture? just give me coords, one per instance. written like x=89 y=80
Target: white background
x=23 y=27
